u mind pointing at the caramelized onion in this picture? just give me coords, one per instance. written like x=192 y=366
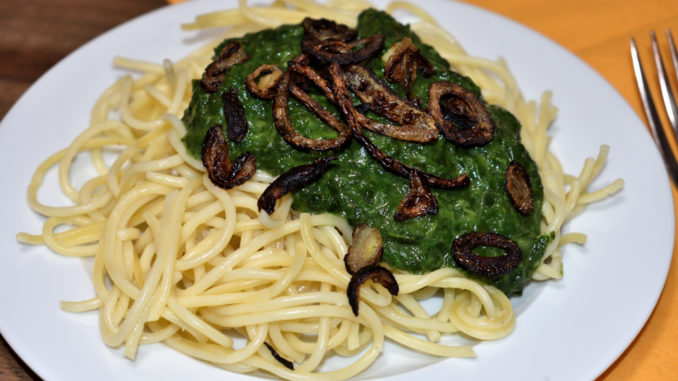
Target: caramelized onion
x=342 y=52
x=375 y=273
x=351 y=115
x=323 y=29
x=490 y=267
x=234 y=112
x=269 y=77
x=365 y=250
x=403 y=60
x=465 y=108
x=519 y=188
x=283 y=124
x=232 y=54
x=295 y=178
x=322 y=113
x=419 y=202
x=220 y=170
x=415 y=125
x=300 y=65
x=285 y=362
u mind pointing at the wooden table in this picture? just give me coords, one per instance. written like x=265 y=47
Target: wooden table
x=36 y=34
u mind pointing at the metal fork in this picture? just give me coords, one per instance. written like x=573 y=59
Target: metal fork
x=668 y=96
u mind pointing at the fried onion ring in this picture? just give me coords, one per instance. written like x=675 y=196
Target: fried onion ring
x=342 y=52
x=375 y=273
x=464 y=105
x=519 y=188
x=402 y=61
x=232 y=54
x=419 y=202
x=234 y=112
x=351 y=115
x=283 y=124
x=220 y=170
x=269 y=77
x=415 y=125
x=295 y=178
x=491 y=267
x=323 y=29
x=366 y=248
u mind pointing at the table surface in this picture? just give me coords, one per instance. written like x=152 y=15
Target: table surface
x=36 y=34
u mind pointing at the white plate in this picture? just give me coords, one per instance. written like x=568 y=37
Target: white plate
x=570 y=329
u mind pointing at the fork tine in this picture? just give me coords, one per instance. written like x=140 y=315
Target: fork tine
x=665 y=85
x=652 y=117
x=672 y=48
x=674 y=59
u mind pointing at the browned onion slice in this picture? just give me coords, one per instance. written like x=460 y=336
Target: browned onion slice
x=234 y=112
x=323 y=29
x=285 y=362
x=300 y=65
x=415 y=125
x=220 y=170
x=375 y=273
x=365 y=250
x=416 y=130
x=402 y=63
x=322 y=113
x=295 y=178
x=269 y=76
x=464 y=105
x=351 y=115
x=490 y=267
x=519 y=188
x=419 y=202
x=232 y=54
x=404 y=170
x=283 y=124
x=342 y=52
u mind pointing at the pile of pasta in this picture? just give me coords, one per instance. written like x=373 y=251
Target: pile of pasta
x=180 y=261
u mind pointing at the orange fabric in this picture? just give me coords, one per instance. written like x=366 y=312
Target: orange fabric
x=598 y=31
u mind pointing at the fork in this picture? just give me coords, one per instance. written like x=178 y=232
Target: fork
x=658 y=133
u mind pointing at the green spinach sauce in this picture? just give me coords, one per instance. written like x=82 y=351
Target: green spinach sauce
x=361 y=190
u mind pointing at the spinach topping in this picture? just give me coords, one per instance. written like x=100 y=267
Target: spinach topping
x=359 y=188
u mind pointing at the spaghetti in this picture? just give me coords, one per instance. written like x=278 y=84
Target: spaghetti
x=181 y=261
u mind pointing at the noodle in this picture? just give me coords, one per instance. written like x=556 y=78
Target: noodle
x=181 y=261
